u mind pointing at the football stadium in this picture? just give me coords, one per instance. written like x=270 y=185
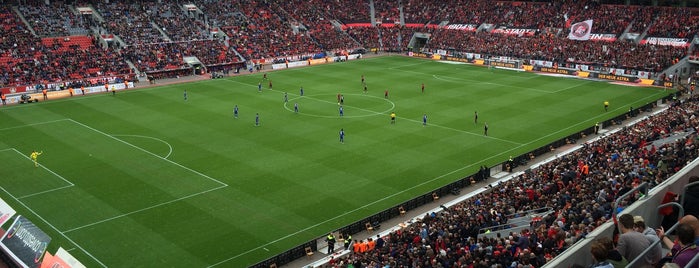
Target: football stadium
x=371 y=133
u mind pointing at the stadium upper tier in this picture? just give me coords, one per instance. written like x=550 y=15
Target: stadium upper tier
x=156 y=36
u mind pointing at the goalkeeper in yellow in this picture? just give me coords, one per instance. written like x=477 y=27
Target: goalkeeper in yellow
x=34 y=156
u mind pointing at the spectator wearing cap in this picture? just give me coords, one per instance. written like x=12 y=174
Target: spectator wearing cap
x=657 y=252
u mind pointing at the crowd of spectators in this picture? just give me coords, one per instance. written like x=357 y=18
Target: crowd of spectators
x=177 y=25
x=130 y=21
x=369 y=36
x=261 y=29
x=170 y=56
x=610 y=19
x=311 y=17
x=581 y=188
x=222 y=14
x=398 y=38
x=627 y=55
x=415 y=11
x=26 y=60
x=674 y=22
x=642 y=19
x=55 y=19
x=264 y=34
x=348 y=11
x=387 y=11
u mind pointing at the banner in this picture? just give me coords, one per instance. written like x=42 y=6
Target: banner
x=463 y=27
x=580 y=30
x=466 y=60
x=616 y=77
x=13 y=90
x=6 y=212
x=603 y=37
x=515 y=31
x=85 y=10
x=62 y=259
x=554 y=70
x=25 y=243
x=675 y=42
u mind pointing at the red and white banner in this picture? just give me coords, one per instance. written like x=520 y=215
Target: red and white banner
x=6 y=212
x=85 y=10
x=62 y=259
x=580 y=30
x=463 y=27
x=662 y=41
x=603 y=37
x=515 y=31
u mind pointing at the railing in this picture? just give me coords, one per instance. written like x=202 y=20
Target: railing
x=652 y=245
x=642 y=187
x=357 y=227
x=514 y=224
x=684 y=190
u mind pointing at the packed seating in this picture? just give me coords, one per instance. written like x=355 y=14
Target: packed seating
x=582 y=201
x=629 y=55
x=222 y=13
x=642 y=20
x=311 y=16
x=169 y=56
x=263 y=34
x=130 y=21
x=369 y=36
x=387 y=11
x=348 y=11
x=260 y=29
x=55 y=19
x=177 y=25
x=27 y=60
x=416 y=11
x=673 y=22
x=523 y=15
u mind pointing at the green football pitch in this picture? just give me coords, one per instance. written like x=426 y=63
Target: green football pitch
x=148 y=179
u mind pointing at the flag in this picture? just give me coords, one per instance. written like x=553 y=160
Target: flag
x=580 y=30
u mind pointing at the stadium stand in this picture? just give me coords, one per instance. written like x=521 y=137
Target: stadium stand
x=311 y=16
x=177 y=25
x=130 y=21
x=350 y=11
x=673 y=22
x=55 y=19
x=649 y=151
x=44 y=44
x=647 y=57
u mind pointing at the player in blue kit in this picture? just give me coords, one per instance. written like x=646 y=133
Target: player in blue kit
x=342 y=135
x=296 y=107
x=342 y=111
x=424 y=119
x=235 y=111
x=257 y=119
